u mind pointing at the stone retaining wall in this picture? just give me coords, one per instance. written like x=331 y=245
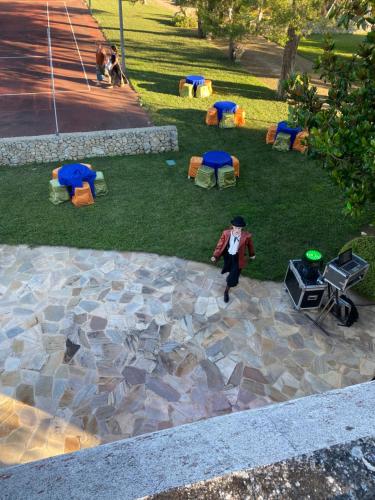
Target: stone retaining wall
x=74 y=146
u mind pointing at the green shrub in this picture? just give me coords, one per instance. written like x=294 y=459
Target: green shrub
x=364 y=246
x=182 y=20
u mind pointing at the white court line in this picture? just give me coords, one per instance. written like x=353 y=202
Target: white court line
x=47 y=92
x=51 y=66
x=20 y=57
x=79 y=53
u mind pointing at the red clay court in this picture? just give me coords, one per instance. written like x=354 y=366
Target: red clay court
x=48 y=80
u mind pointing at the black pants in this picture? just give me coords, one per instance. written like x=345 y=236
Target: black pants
x=231 y=266
x=116 y=75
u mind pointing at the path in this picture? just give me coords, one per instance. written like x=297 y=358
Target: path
x=263 y=59
x=99 y=346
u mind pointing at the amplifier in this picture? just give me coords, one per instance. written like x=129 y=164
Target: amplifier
x=347 y=275
x=304 y=294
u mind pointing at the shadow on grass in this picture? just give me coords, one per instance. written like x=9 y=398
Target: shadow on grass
x=195 y=137
x=98 y=11
x=176 y=54
x=180 y=33
x=185 y=32
x=168 y=84
x=111 y=28
x=162 y=19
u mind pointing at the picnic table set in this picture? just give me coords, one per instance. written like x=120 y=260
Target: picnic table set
x=214 y=168
x=284 y=137
x=195 y=86
x=225 y=114
x=77 y=182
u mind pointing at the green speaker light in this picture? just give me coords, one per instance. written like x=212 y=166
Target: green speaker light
x=313 y=255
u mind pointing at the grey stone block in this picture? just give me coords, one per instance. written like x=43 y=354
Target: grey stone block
x=187 y=454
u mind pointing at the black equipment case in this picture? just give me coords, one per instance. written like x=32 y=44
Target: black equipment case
x=304 y=294
x=343 y=278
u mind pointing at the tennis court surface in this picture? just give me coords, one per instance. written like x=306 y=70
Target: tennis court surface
x=47 y=73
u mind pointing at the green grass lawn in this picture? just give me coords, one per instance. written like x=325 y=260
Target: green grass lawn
x=288 y=201
x=345 y=45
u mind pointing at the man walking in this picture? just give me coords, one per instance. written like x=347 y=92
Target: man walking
x=101 y=59
x=232 y=246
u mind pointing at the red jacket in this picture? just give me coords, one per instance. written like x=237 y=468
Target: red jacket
x=245 y=242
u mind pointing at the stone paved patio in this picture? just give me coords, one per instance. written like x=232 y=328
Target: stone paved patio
x=100 y=346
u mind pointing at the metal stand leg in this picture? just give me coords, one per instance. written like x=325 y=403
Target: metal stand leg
x=317 y=324
x=332 y=300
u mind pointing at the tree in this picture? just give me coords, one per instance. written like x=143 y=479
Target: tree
x=285 y=21
x=260 y=5
x=201 y=7
x=230 y=19
x=360 y=12
x=342 y=129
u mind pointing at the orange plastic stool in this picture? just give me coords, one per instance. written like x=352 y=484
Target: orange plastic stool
x=83 y=196
x=209 y=85
x=236 y=166
x=195 y=163
x=211 y=117
x=298 y=144
x=55 y=172
x=180 y=85
x=271 y=134
x=239 y=117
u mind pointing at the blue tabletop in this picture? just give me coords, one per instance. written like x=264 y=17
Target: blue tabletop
x=74 y=175
x=284 y=127
x=225 y=107
x=195 y=80
x=217 y=159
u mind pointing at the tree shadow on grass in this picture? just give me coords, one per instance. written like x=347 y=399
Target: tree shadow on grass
x=98 y=11
x=184 y=32
x=162 y=19
x=111 y=28
x=181 y=33
x=249 y=91
x=187 y=59
x=209 y=62
x=164 y=83
x=188 y=55
x=207 y=67
x=195 y=137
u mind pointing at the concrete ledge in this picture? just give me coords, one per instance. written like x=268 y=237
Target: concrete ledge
x=341 y=471
x=74 y=146
x=200 y=451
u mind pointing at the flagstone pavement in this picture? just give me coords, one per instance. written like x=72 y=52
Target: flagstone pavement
x=98 y=346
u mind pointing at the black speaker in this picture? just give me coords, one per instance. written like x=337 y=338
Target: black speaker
x=305 y=294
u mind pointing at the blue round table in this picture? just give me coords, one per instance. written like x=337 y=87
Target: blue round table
x=225 y=107
x=217 y=159
x=74 y=175
x=285 y=128
x=195 y=80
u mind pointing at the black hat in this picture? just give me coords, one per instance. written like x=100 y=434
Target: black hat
x=238 y=221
